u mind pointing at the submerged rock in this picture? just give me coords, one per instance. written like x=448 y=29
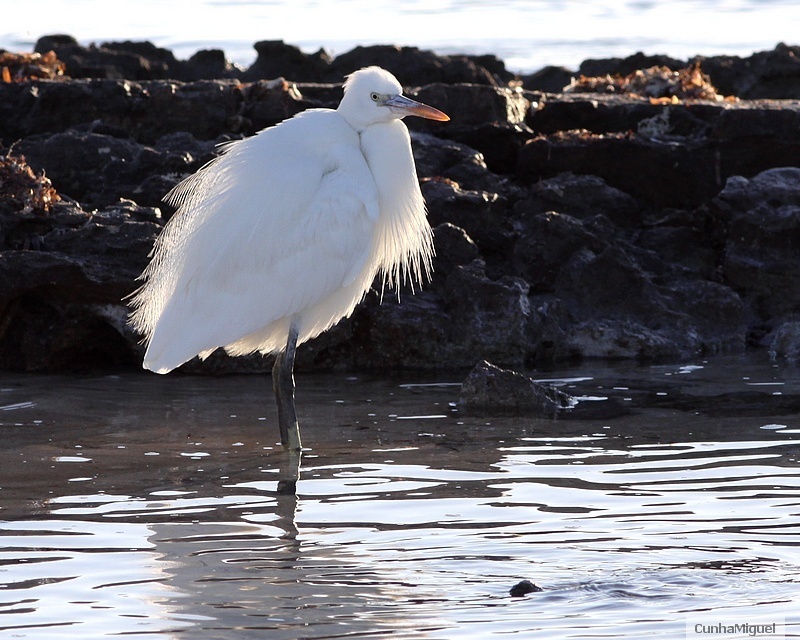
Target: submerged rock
x=489 y=389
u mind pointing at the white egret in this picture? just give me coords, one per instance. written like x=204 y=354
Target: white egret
x=280 y=236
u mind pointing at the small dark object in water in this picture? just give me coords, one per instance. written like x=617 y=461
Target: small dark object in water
x=523 y=588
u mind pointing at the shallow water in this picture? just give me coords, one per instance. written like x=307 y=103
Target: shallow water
x=149 y=507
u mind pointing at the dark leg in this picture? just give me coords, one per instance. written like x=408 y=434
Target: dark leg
x=283 y=385
x=288 y=475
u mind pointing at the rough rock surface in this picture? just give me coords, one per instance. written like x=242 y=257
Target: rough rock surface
x=771 y=74
x=567 y=226
x=488 y=388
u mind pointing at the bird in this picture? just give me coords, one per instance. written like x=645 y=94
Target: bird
x=282 y=234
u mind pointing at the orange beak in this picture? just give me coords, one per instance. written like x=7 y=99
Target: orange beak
x=408 y=107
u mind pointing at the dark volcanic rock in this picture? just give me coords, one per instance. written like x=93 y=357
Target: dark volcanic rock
x=488 y=317
x=453 y=248
x=62 y=305
x=98 y=169
x=786 y=342
x=415 y=67
x=581 y=196
x=624 y=66
x=773 y=75
x=762 y=261
x=566 y=226
x=546 y=245
x=549 y=79
x=489 y=389
x=660 y=166
x=488 y=119
x=456 y=162
x=277 y=59
x=134 y=61
x=674 y=156
x=137 y=61
x=481 y=214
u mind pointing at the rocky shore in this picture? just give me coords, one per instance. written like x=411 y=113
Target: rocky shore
x=623 y=217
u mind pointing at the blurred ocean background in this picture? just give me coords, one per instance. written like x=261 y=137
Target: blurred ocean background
x=527 y=35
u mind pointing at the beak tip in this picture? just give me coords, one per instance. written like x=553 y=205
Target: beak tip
x=407 y=107
x=431 y=113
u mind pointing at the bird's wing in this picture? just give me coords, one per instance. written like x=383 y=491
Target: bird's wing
x=268 y=229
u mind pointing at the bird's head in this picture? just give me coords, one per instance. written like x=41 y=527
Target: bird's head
x=373 y=95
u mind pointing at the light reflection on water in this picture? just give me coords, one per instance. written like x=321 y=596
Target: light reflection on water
x=150 y=507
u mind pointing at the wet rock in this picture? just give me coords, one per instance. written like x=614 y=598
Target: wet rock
x=203 y=108
x=619 y=339
x=488 y=388
x=523 y=588
x=602 y=114
x=786 y=342
x=598 y=296
x=57 y=320
x=29 y=109
x=475 y=105
x=688 y=248
x=716 y=314
x=267 y=103
x=148 y=110
x=763 y=75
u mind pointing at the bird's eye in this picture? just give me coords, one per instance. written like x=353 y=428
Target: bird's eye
x=375 y=96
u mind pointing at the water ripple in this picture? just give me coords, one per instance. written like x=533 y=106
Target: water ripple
x=393 y=531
